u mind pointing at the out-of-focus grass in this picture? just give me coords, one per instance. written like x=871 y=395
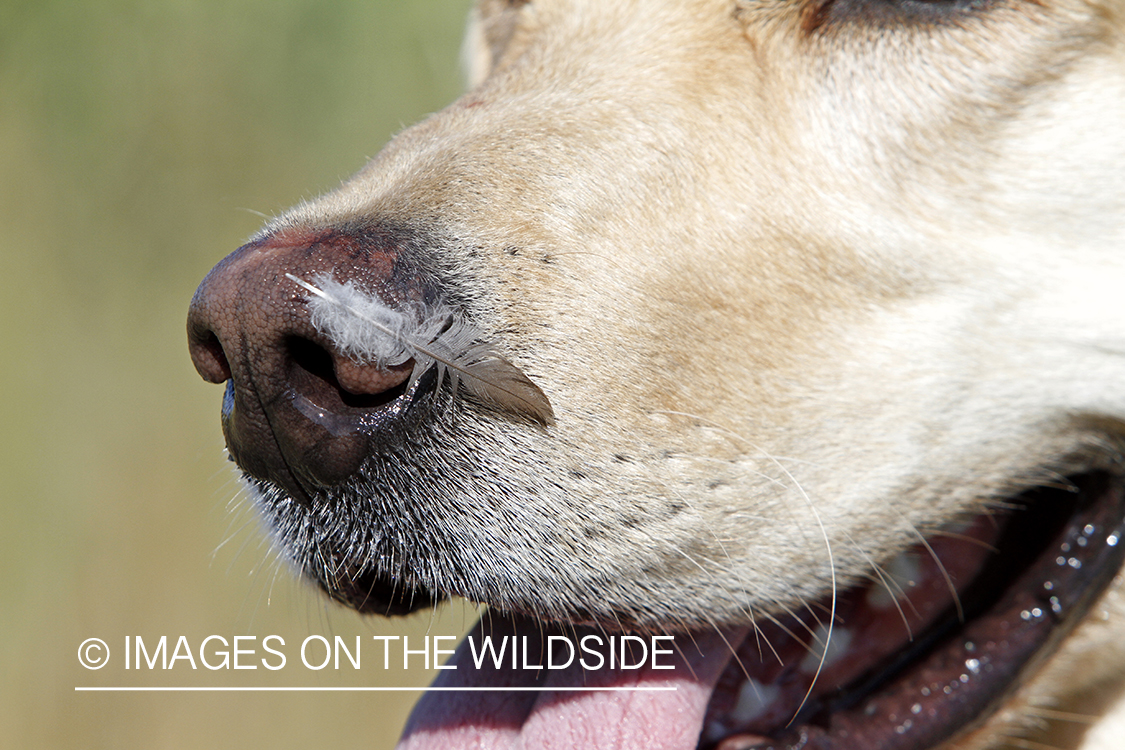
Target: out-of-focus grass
x=139 y=143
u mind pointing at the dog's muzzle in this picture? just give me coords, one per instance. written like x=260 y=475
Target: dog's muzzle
x=906 y=661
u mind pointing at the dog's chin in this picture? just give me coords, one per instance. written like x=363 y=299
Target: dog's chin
x=937 y=640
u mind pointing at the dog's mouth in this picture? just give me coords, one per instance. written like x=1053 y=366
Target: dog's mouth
x=938 y=639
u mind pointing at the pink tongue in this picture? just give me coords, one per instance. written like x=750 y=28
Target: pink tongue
x=509 y=716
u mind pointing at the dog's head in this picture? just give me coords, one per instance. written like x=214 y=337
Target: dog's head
x=720 y=316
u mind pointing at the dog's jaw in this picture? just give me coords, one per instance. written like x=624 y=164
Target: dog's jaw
x=879 y=684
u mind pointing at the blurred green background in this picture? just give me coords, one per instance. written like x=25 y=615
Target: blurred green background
x=139 y=143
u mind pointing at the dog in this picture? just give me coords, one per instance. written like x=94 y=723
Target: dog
x=791 y=329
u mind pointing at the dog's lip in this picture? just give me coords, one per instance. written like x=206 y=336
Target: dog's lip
x=1016 y=612
x=950 y=683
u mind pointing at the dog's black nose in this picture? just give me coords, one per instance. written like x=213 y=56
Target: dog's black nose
x=298 y=412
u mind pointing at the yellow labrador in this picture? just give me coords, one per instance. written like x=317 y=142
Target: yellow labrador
x=792 y=328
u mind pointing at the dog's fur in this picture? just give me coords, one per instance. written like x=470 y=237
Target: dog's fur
x=802 y=279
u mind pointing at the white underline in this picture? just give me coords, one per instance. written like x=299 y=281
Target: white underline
x=374 y=689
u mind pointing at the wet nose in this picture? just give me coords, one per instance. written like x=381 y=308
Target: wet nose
x=297 y=411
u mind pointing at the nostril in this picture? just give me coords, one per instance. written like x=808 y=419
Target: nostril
x=332 y=381
x=311 y=360
x=208 y=356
